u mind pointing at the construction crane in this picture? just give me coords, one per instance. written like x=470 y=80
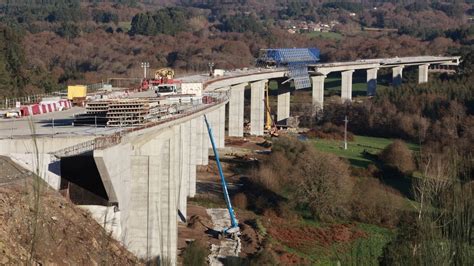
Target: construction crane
x=233 y=231
x=270 y=125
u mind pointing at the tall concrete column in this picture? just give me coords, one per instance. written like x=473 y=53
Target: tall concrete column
x=184 y=162
x=198 y=127
x=236 y=110
x=193 y=139
x=152 y=220
x=221 y=122
x=205 y=143
x=423 y=73
x=371 y=81
x=283 y=108
x=257 y=107
x=318 y=91
x=346 y=85
x=397 y=75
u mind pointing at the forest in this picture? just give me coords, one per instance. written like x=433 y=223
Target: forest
x=49 y=44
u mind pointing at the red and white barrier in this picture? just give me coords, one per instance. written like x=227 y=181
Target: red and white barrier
x=45 y=107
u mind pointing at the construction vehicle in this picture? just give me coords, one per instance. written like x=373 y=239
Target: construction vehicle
x=270 y=125
x=179 y=88
x=162 y=76
x=233 y=231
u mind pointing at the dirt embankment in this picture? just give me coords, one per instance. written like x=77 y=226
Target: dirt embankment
x=40 y=226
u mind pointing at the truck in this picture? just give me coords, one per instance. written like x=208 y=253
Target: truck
x=164 y=90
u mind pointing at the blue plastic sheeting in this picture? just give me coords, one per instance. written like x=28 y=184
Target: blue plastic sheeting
x=297 y=61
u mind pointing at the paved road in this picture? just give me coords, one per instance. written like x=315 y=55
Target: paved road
x=55 y=123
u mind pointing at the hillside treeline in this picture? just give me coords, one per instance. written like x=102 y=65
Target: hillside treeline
x=72 y=41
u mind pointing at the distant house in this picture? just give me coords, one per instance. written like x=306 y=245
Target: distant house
x=291 y=31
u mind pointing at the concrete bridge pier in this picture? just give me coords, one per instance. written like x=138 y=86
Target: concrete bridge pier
x=193 y=147
x=150 y=219
x=318 y=91
x=257 y=107
x=205 y=143
x=185 y=167
x=423 y=73
x=346 y=85
x=371 y=81
x=397 y=75
x=236 y=110
x=283 y=106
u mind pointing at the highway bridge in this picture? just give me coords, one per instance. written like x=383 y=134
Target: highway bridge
x=144 y=175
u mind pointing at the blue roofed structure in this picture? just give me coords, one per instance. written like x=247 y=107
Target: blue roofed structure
x=295 y=59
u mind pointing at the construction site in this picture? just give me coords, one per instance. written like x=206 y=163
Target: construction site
x=169 y=170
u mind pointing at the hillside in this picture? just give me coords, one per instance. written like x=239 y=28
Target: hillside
x=49 y=229
x=46 y=46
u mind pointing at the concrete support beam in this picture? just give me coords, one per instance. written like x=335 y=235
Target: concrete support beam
x=184 y=133
x=283 y=108
x=257 y=107
x=152 y=220
x=236 y=110
x=221 y=123
x=371 y=81
x=397 y=76
x=346 y=85
x=318 y=91
x=423 y=73
x=205 y=143
x=199 y=131
x=193 y=139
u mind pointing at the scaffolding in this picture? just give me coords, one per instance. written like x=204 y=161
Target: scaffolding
x=295 y=59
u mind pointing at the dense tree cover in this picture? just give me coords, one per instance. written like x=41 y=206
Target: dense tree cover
x=188 y=38
x=165 y=21
x=242 y=23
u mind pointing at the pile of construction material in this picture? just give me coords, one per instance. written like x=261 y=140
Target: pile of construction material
x=128 y=112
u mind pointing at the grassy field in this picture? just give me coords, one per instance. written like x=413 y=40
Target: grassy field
x=355 y=149
x=324 y=35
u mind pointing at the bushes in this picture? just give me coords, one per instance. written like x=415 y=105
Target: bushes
x=240 y=201
x=195 y=254
x=310 y=179
x=398 y=157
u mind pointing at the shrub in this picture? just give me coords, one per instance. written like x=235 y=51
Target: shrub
x=240 y=201
x=399 y=157
x=195 y=254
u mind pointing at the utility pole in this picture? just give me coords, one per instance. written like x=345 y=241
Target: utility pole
x=145 y=65
x=345 y=132
x=211 y=66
